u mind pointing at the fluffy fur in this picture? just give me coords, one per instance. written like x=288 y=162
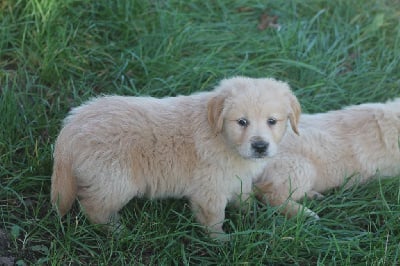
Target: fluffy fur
x=361 y=142
x=207 y=147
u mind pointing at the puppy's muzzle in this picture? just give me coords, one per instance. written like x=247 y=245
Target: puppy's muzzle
x=260 y=148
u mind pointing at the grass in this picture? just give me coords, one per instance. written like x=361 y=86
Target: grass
x=56 y=54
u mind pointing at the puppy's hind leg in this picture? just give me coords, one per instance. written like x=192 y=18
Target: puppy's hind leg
x=278 y=195
x=98 y=212
x=102 y=204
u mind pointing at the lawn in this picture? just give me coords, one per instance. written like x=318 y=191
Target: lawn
x=56 y=54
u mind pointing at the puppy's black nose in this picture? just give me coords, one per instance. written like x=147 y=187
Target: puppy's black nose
x=260 y=146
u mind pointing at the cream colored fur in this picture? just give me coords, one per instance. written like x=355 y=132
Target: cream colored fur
x=360 y=141
x=114 y=148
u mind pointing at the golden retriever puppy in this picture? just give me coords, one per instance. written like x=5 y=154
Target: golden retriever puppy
x=361 y=142
x=207 y=147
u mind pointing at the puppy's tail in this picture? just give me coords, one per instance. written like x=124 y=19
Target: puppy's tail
x=63 y=181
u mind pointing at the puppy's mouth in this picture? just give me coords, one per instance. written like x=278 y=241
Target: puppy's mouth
x=259 y=149
x=259 y=156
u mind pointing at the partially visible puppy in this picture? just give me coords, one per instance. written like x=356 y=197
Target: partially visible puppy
x=361 y=141
x=208 y=147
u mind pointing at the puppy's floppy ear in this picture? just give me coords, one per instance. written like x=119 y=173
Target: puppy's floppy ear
x=294 y=114
x=215 y=107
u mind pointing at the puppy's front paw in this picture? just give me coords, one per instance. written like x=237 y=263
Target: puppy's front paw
x=220 y=236
x=311 y=214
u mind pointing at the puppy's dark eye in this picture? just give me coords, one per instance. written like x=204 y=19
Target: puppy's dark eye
x=272 y=121
x=243 y=122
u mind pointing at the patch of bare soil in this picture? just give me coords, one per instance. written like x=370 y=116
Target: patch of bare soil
x=6 y=258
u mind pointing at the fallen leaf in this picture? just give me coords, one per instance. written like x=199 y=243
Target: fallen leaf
x=244 y=9
x=268 y=21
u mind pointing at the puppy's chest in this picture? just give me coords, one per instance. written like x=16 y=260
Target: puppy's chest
x=236 y=180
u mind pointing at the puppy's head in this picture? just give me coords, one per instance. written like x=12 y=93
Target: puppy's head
x=252 y=114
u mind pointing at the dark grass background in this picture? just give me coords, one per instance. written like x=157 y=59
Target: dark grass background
x=56 y=54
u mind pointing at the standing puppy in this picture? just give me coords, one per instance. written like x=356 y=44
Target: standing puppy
x=362 y=140
x=207 y=147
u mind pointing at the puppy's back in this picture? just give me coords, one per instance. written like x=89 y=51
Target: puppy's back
x=130 y=138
